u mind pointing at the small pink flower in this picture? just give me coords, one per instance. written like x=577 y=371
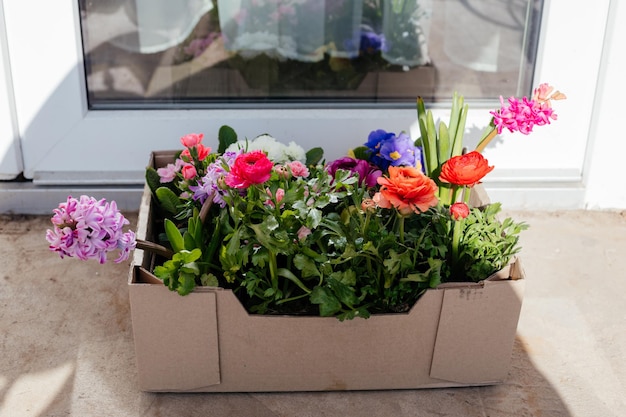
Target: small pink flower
x=168 y=173
x=189 y=172
x=282 y=172
x=303 y=232
x=368 y=204
x=298 y=169
x=203 y=152
x=544 y=93
x=192 y=139
x=280 y=194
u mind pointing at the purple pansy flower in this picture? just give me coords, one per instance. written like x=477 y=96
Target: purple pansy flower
x=387 y=149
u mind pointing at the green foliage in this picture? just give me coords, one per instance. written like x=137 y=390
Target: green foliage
x=317 y=249
x=179 y=273
x=488 y=244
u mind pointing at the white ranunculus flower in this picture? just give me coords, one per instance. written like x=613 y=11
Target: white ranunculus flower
x=276 y=151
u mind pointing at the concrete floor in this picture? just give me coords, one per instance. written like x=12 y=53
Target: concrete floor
x=67 y=346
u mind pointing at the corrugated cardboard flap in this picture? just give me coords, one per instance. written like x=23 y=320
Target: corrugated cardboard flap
x=477 y=329
x=188 y=356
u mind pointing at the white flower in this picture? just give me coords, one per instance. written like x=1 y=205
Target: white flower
x=276 y=151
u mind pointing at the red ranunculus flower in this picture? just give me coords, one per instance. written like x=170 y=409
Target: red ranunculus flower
x=459 y=211
x=249 y=168
x=466 y=169
x=407 y=189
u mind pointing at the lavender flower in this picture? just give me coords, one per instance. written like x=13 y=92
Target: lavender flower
x=88 y=229
x=210 y=183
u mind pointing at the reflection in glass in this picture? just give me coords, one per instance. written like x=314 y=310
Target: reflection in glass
x=204 y=53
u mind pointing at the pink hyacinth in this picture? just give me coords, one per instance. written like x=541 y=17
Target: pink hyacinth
x=522 y=115
x=88 y=229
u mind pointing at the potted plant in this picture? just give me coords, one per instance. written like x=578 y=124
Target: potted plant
x=261 y=238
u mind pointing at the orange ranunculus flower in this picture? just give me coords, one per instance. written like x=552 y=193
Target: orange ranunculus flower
x=407 y=189
x=466 y=169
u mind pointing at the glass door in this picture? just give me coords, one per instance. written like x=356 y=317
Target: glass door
x=98 y=85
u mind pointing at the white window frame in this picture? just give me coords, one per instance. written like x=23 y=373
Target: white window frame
x=63 y=143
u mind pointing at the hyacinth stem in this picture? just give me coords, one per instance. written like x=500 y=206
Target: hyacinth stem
x=154 y=248
x=204 y=211
x=486 y=139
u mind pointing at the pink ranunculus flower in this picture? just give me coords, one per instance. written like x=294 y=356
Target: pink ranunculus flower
x=191 y=140
x=249 y=168
x=298 y=169
x=189 y=172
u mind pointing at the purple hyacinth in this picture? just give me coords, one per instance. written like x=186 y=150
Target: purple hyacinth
x=88 y=229
x=210 y=183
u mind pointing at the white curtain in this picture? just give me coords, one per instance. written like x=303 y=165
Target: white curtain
x=305 y=30
x=149 y=26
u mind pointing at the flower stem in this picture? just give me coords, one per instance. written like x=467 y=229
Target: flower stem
x=486 y=139
x=456 y=241
x=401 y=227
x=273 y=264
x=154 y=248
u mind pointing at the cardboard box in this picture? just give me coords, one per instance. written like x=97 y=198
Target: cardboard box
x=455 y=335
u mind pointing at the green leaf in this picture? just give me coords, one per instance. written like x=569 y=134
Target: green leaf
x=187 y=283
x=188 y=241
x=328 y=303
x=314 y=156
x=174 y=236
x=153 y=179
x=431 y=138
x=226 y=137
x=190 y=268
x=361 y=152
x=444 y=143
x=344 y=293
x=313 y=219
x=209 y=280
x=458 y=131
x=168 y=200
x=306 y=265
x=285 y=273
